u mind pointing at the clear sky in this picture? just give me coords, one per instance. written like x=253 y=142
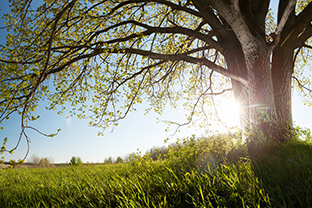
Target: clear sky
x=137 y=131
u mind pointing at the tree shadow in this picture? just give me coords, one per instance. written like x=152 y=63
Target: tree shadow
x=285 y=171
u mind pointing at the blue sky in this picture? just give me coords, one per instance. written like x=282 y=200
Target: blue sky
x=137 y=131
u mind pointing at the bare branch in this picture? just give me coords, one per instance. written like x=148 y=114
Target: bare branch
x=296 y=54
x=210 y=17
x=305 y=35
x=189 y=59
x=287 y=11
x=301 y=85
x=276 y=36
x=307 y=46
x=165 y=57
x=150 y=30
x=164 y=2
x=47 y=135
x=302 y=26
x=21 y=62
x=219 y=93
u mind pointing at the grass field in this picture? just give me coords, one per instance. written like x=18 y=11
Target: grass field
x=195 y=172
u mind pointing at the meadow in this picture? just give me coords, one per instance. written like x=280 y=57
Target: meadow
x=216 y=171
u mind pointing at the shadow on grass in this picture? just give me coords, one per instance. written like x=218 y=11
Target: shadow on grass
x=285 y=171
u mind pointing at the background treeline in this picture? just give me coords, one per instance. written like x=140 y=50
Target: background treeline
x=220 y=149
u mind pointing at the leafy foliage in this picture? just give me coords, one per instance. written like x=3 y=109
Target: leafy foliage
x=119 y=160
x=108 y=160
x=158 y=153
x=118 y=53
x=75 y=161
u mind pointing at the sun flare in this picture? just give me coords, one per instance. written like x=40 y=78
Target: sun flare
x=228 y=112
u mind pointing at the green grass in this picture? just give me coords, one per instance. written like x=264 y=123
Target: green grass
x=286 y=173
x=205 y=172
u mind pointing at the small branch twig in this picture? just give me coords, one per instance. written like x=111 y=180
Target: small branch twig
x=301 y=85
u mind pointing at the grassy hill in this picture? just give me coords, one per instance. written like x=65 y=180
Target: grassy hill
x=194 y=172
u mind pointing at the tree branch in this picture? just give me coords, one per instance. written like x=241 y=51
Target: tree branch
x=285 y=16
x=164 y=2
x=21 y=62
x=219 y=93
x=302 y=22
x=43 y=73
x=307 y=46
x=276 y=36
x=164 y=57
x=301 y=85
x=210 y=17
x=151 y=30
x=304 y=36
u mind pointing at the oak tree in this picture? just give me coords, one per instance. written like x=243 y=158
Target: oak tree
x=118 y=53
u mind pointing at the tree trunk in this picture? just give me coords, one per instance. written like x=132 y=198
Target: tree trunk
x=256 y=101
x=263 y=116
x=266 y=103
x=267 y=96
x=262 y=111
x=282 y=69
x=236 y=62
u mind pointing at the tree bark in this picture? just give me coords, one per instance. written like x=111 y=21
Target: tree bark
x=263 y=114
x=236 y=62
x=255 y=102
x=282 y=69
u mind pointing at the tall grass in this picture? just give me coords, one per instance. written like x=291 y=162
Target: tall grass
x=204 y=172
x=286 y=173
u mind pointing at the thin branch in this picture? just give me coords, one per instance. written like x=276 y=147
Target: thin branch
x=276 y=36
x=190 y=117
x=307 y=46
x=47 y=135
x=21 y=62
x=296 y=54
x=43 y=73
x=164 y=57
x=151 y=30
x=302 y=24
x=219 y=93
x=164 y=2
x=216 y=111
x=305 y=35
x=286 y=13
x=189 y=59
x=301 y=85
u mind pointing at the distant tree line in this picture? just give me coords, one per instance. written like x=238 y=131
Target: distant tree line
x=42 y=162
x=75 y=161
x=196 y=149
x=155 y=153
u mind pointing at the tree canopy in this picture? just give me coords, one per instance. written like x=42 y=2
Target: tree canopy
x=118 y=53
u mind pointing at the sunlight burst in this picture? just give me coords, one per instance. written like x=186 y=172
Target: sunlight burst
x=228 y=112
